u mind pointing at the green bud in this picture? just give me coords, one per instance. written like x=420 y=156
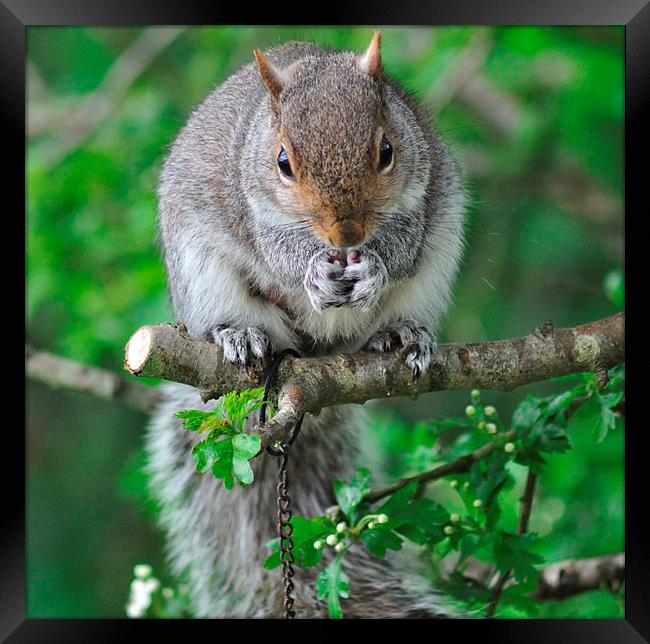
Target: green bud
x=448 y=530
x=478 y=503
x=342 y=527
x=382 y=518
x=372 y=524
x=454 y=518
x=509 y=447
x=470 y=411
x=476 y=395
x=453 y=483
x=491 y=428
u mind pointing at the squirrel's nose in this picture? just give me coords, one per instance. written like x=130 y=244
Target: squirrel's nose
x=342 y=234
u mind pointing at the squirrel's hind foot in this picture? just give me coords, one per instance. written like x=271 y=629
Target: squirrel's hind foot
x=242 y=346
x=416 y=344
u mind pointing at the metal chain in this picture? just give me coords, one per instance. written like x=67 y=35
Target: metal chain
x=285 y=529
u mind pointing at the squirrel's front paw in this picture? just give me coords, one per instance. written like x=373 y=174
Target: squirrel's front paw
x=242 y=346
x=416 y=342
x=323 y=280
x=367 y=273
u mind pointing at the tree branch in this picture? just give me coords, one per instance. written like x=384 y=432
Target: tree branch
x=94 y=108
x=522 y=528
x=309 y=384
x=461 y=465
x=62 y=373
x=564 y=578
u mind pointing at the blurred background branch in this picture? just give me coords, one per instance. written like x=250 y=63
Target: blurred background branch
x=89 y=113
x=62 y=373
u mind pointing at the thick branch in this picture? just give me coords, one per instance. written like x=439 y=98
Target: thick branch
x=566 y=578
x=62 y=373
x=561 y=579
x=309 y=384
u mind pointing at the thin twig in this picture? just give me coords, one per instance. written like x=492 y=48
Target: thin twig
x=522 y=528
x=461 y=465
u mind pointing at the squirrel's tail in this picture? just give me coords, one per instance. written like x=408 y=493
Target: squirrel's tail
x=217 y=538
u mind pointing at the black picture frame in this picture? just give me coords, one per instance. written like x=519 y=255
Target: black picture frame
x=17 y=15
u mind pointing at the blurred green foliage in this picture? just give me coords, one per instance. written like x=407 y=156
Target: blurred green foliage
x=534 y=115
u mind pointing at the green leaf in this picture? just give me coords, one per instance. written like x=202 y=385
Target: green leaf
x=419 y=520
x=239 y=405
x=206 y=453
x=350 y=495
x=332 y=584
x=193 y=419
x=512 y=552
x=245 y=445
x=488 y=475
x=469 y=544
x=305 y=533
x=527 y=413
x=595 y=415
x=614 y=287
x=273 y=560
x=242 y=470
x=381 y=538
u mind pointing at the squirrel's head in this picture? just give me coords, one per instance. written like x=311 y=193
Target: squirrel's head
x=334 y=150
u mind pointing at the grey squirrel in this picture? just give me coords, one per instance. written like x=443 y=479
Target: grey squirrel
x=307 y=203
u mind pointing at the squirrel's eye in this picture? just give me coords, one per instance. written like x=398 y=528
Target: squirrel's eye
x=284 y=165
x=385 y=153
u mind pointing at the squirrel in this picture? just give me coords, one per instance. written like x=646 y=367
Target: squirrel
x=309 y=204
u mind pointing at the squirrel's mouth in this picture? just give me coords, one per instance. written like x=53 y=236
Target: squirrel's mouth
x=342 y=233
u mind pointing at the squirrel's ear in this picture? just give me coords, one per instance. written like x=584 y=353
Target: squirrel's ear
x=370 y=62
x=271 y=76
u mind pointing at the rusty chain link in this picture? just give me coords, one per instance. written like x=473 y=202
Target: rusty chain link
x=285 y=529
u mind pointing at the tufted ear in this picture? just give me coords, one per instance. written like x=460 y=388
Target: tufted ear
x=370 y=62
x=271 y=76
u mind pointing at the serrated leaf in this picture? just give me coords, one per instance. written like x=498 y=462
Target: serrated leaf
x=350 y=495
x=527 y=413
x=332 y=584
x=213 y=423
x=379 y=539
x=193 y=418
x=594 y=416
x=206 y=454
x=488 y=475
x=512 y=552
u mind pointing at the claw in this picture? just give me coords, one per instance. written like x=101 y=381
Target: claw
x=415 y=344
x=242 y=346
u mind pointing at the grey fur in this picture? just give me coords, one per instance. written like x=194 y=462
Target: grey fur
x=231 y=230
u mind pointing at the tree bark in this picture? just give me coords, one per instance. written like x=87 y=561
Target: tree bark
x=309 y=384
